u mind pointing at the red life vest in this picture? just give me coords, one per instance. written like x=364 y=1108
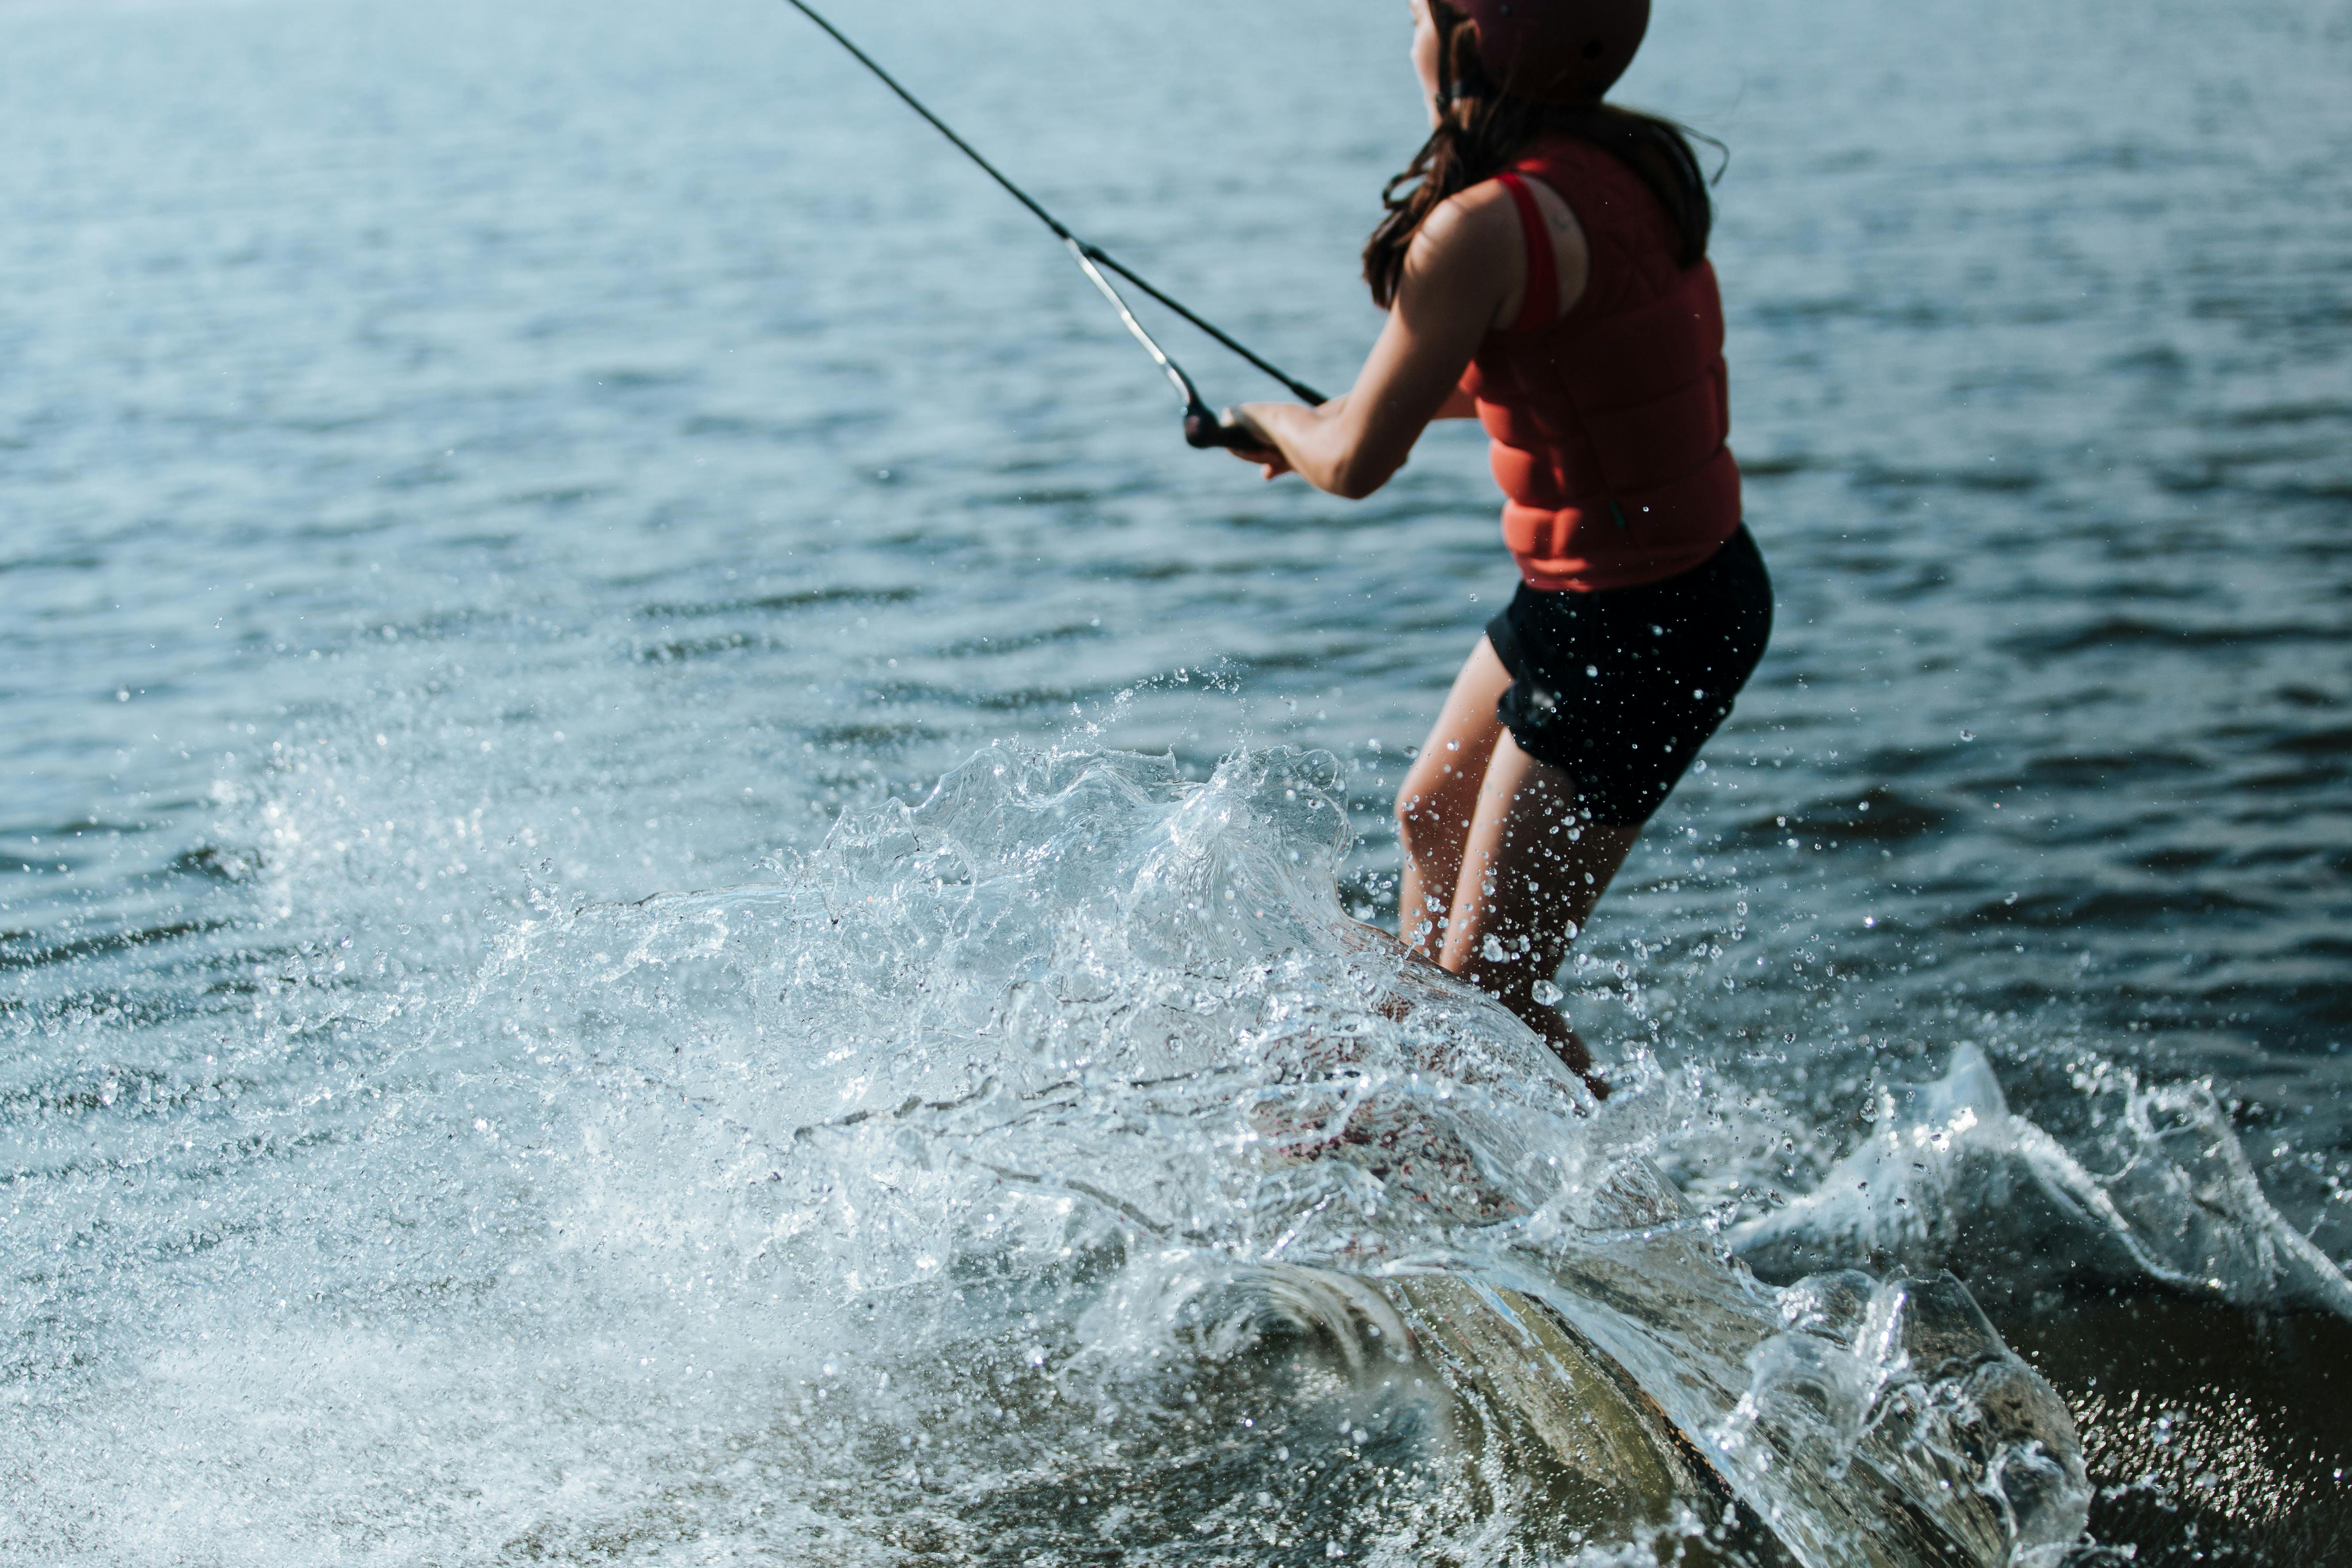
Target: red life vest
x=1609 y=423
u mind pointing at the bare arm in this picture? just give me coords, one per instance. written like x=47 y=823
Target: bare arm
x=1460 y=405
x=1464 y=272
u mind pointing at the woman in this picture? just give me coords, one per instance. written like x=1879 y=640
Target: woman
x=1544 y=266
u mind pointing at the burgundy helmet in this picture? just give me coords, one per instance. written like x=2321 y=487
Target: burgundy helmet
x=1557 y=51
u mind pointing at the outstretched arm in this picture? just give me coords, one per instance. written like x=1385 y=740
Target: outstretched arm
x=1465 y=267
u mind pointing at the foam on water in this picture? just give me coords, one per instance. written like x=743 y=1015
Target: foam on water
x=1053 y=1168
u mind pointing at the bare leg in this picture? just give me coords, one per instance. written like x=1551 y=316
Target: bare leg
x=1439 y=799
x=1531 y=873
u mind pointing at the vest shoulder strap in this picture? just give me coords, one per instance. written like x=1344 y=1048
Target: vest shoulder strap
x=1540 y=307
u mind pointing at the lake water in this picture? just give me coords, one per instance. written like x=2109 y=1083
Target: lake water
x=465 y=471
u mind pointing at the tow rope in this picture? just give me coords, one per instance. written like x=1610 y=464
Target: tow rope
x=1202 y=427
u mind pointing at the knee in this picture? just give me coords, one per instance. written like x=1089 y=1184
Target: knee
x=1420 y=808
x=1433 y=828
x=1439 y=797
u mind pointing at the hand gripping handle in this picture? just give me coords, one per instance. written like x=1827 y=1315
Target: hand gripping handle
x=1210 y=431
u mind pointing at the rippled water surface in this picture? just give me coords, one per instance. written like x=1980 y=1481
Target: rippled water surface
x=504 y=510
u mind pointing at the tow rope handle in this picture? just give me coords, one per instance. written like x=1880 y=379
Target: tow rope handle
x=1208 y=432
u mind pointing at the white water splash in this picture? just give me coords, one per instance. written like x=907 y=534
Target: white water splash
x=1049 y=1169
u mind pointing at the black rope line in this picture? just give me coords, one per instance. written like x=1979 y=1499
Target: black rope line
x=1089 y=257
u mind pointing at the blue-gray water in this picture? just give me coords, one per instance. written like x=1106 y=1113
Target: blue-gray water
x=462 y=466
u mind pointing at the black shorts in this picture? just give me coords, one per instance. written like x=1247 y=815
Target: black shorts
x=1621 y=688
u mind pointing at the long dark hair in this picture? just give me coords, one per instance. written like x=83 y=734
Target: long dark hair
x=1480 y=130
